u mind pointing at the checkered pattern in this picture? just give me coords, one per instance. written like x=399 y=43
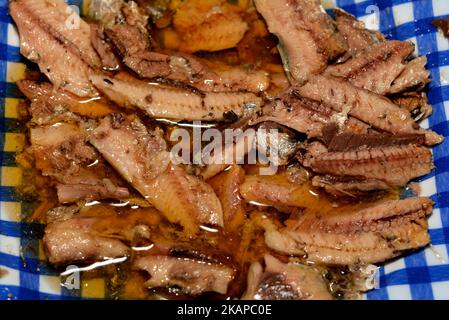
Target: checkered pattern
x=26 y=275
x=421 y=275
x=424 y=274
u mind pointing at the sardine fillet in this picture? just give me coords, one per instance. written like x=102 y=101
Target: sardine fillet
x=185 y=199
x=64 y=24
x=370 y=235
x=141 y=158
x=395 y=165
x=307 y=116
x=306 y=33
x=414 y=74
x=376 y=68
x=301 y=51
x=358 y=37
x=73 y=240
x=193 y=276
x=137 y=154
x=369 y=107
x=59 y=62
x=173 y=103
x=281 y=281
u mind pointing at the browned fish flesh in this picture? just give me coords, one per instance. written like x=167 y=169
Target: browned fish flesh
x=234 y=78
x=93 y=233
x=63 y=23
x=279 y=281
x=50 y=105
x=348 y=141
x=352 y=187
x=137 y=154
x=73 y=241
x=376 y=68
x=279 y=192
x=167 y=102
x=357 y=36
x=64 y=55
x=226 y=185
x=128 y=40
x=192 y=276
x=414 y=102
x=414 y=76
x=307 y=35
x=371 y=234
x=394 y=165
x=305 y=115
x=61 y=150
x=364 y=105
x=185 y=199
x=69 y=193
x=231 y=153
x=104 y=49
x=141 y=158
x=137 y=54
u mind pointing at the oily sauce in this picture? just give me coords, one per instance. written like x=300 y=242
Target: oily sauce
x=141 y=226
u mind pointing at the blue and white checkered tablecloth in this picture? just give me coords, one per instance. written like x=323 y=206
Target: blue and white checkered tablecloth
x=420 y=275
x=424 y=274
